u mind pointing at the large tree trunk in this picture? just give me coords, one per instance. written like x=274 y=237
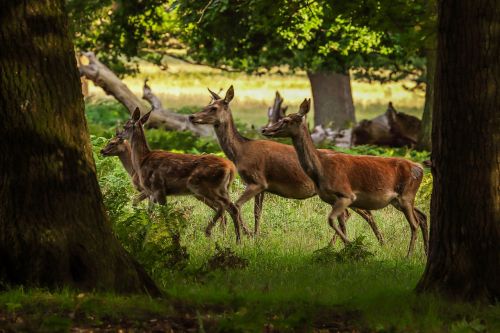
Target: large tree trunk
x=464 y=259
x=103 y=77
x=53 y=227
x=332 y=96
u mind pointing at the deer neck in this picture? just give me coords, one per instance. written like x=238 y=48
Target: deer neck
x=126 y=159
x=139 y=147
x=307 y=153
x=230 y=140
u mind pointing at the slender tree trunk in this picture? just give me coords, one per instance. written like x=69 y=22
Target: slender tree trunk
x=424 y=137
x=464 y=259
x=53 y=227
x=332 y=96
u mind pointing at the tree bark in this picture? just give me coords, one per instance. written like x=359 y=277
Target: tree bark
x=464 y=259
x=332 y=96
x=53 y=228
x=103 y=77
x=424 y=138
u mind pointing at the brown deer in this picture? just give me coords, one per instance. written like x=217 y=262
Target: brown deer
x=363 y=182
x=264 y=166
x=163 y=173
x=393 y=129
x=121 y=148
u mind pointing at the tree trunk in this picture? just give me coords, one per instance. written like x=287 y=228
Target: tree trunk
x=464 y=259
x=53 y=227
x=424 y=138
x=103 y=77
x=332 y=96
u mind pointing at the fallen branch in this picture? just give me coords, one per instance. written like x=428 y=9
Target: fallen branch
x=103 y=77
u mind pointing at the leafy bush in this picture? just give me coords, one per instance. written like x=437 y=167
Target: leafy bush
x=184 y=142
x=224 y=258
x=354 y=251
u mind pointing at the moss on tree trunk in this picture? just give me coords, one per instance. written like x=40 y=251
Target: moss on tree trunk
x=53 y=228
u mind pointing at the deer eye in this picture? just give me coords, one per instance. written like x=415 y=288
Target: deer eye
x=213 y=109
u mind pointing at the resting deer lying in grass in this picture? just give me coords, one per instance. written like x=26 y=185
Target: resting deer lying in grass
x=163 y=173
x=363 y=182
x=264 y=166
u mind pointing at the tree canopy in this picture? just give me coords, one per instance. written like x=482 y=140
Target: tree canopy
x=338 y=36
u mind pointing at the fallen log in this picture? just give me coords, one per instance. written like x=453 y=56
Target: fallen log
x=103 y=77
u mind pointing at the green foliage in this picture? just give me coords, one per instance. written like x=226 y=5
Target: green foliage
x=411 y=154
x=223 y=259
x=119 y=30
x=352 y=252
x=181 y=142
x=380 y=40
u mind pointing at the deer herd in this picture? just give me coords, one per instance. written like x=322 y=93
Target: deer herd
x=359 y=183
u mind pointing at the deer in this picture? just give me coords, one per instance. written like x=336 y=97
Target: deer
x=162 y=173
x=393 y=129
x=363 y=182
x=121 y=148
x=264 y=166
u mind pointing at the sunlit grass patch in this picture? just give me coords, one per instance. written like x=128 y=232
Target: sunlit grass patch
x=184 y=85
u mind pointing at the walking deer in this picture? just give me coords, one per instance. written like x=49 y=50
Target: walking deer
x=121 y=148
x=264 y=166
x=363 y=182
x=162 y=173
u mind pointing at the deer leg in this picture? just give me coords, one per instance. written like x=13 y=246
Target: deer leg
x=257 y=210
x=250 y=191
x=368 y=217
x=219 y=213
x=138 y=198
x=422 y=219
x=407 y=209
x=338 y=208
x=234 y=211
x=342 y=219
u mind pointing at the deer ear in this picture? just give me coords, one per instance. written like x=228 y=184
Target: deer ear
x=305 y=106
x=136 y=115
x=145 y=118
x=213 y=94
x=229 y=95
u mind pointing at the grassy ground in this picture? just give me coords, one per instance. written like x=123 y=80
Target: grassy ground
x=283 y=280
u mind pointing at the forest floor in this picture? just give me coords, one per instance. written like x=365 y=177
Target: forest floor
x=41 y=311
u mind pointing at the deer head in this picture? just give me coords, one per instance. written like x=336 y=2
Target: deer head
x=134 y=124
x=216 y=112
x=289 y=126
x=115 y=146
